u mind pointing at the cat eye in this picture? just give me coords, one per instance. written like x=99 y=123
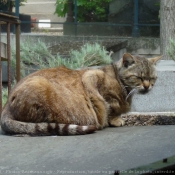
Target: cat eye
x=139 y=78
x=153 y=79
x=146 y=78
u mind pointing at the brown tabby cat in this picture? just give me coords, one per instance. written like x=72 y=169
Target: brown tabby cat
x=61 y=101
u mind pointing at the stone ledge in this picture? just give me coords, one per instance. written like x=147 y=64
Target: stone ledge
x=149 y=118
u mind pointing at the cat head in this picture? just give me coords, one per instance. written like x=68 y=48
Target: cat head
x=137 y=73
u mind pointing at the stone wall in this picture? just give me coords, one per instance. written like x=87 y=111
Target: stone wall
x=143 y=45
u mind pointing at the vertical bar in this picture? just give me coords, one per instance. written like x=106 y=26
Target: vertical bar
x=75 y=16
x=0 y=75
x=136 y=31
x=8 y=58
x=70 y=12
x=17 y=8
x=18 y=52
x=75 y=11
x=16 y=11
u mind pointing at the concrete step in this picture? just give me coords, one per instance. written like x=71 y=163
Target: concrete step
x=162 y=97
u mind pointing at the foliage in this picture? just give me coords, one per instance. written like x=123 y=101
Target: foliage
x=88 y=11
x=7 y=5
x=20 y=3
x=171 y=49
x=12 y=2
x=36 y=56
x=89 y=55
x=4 y=1
x=61 y=7
x=4 y=95
x=4 y=5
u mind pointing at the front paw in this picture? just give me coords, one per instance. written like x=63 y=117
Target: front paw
x=118 y=121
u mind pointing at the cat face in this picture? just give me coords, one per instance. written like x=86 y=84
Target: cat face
x=137 y=72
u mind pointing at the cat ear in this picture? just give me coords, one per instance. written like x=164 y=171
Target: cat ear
x=155 y=59
x=128 y=60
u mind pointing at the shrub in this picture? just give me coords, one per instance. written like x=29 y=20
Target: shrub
x=171 y=49
x=4 y=95
x=36 y=56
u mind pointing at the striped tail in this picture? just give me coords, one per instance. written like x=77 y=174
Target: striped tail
x=13 y=127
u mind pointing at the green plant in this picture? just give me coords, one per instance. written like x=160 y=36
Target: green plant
x=4 y=5
x=89 y=55
x=35 y=55
x=46 y=31
x=4 y=95
x=12 y=3
x=171 y=49
x=88 y=11
x=7 y=5
x=61 y=7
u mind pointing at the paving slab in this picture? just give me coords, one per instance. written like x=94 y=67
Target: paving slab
x=99 y=153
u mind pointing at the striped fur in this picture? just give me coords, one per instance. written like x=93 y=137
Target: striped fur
x=61 y=101
x=11 y=126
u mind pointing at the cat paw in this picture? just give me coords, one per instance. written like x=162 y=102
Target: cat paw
x=117 y=122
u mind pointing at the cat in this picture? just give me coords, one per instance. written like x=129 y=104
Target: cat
x=61 y=101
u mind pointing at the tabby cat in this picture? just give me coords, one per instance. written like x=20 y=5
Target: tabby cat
x=61 y=101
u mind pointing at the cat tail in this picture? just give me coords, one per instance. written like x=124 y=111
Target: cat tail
x=14 y=127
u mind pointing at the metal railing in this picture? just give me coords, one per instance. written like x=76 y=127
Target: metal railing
x=72 y=19
x=7 y=20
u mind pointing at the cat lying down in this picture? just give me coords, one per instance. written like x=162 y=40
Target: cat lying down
x=61 y=101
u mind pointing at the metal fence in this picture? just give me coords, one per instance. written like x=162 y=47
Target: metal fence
x=135 y=18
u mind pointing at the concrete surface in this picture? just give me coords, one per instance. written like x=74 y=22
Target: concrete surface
x=99 y=153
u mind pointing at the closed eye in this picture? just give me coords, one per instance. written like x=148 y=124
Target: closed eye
x=153 y=79
x=139 y=78
x=146 y=78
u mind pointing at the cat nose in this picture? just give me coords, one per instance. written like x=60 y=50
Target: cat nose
x=146 y=84
x=146 y=87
